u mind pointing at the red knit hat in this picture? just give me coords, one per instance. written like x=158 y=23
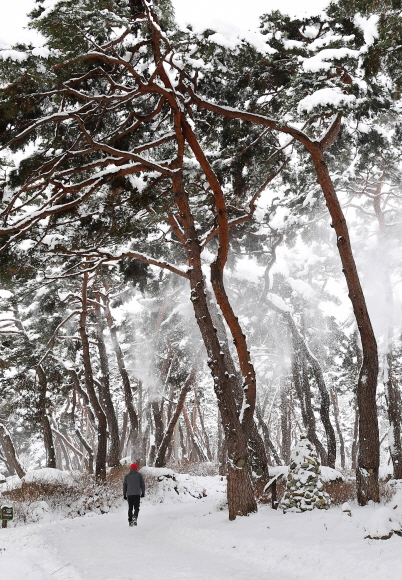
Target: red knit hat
x=133 y=466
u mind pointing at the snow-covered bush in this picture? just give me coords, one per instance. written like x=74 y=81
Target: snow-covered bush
x=386 y=520
x=54 y=494
x=304 y=486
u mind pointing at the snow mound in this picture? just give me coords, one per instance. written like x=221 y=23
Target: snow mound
x=166 y=486
x=382 y=524
x=329 y=474
x=278 y=470
x=386 y=520
x=12 y=483
x=49 y=475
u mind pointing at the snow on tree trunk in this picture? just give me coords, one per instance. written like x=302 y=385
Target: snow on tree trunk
x=304 y=487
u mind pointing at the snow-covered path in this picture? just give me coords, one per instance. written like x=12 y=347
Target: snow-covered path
x=195 y=541
x=171 y=542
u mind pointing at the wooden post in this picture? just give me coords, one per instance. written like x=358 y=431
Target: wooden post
x=3 y=523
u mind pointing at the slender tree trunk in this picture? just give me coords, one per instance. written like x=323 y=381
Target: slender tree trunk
x=204 y=434
x=167 y=437
x=42 y=409
x=128 y=393
x=9 y=451
x=46 y=428
x=285 y=426
x=100 y=464
x=335 y=405
x=184 y=453
x=355 y=442
x=78 y=389
x=193 y=438
x=267 y=439
x=369 y=442
x=123 y=432
x=258 y=461
x=302 y=388
x=158 y=422
x=300 y=345
x=88 y=449
x=237 y=428
x=222 y=450
x=104 y=389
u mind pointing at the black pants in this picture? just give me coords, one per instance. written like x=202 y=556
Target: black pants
x=133 y=502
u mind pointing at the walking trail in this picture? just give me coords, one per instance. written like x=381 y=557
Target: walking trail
x=195 y=541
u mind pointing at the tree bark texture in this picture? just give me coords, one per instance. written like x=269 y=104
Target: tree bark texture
x=88 y=449
x=258 y=460
x=369 y=442
x=240 y=502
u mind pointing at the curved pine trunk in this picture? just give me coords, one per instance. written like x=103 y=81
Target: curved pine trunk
x=369 y=442
x=258 y=461
x=240 y=502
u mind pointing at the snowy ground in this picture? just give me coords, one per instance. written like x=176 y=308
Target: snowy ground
x=195 y=541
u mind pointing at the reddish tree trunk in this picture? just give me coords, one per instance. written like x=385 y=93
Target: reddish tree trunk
x=369 y=443
x=369 y=448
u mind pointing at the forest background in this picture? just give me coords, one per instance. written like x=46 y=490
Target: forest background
x=152 y=173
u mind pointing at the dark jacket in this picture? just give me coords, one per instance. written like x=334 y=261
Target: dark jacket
x=133 y=484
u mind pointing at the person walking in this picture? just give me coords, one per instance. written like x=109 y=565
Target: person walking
x=133 y=490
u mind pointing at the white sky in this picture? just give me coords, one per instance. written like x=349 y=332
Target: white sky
x=218 y=14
